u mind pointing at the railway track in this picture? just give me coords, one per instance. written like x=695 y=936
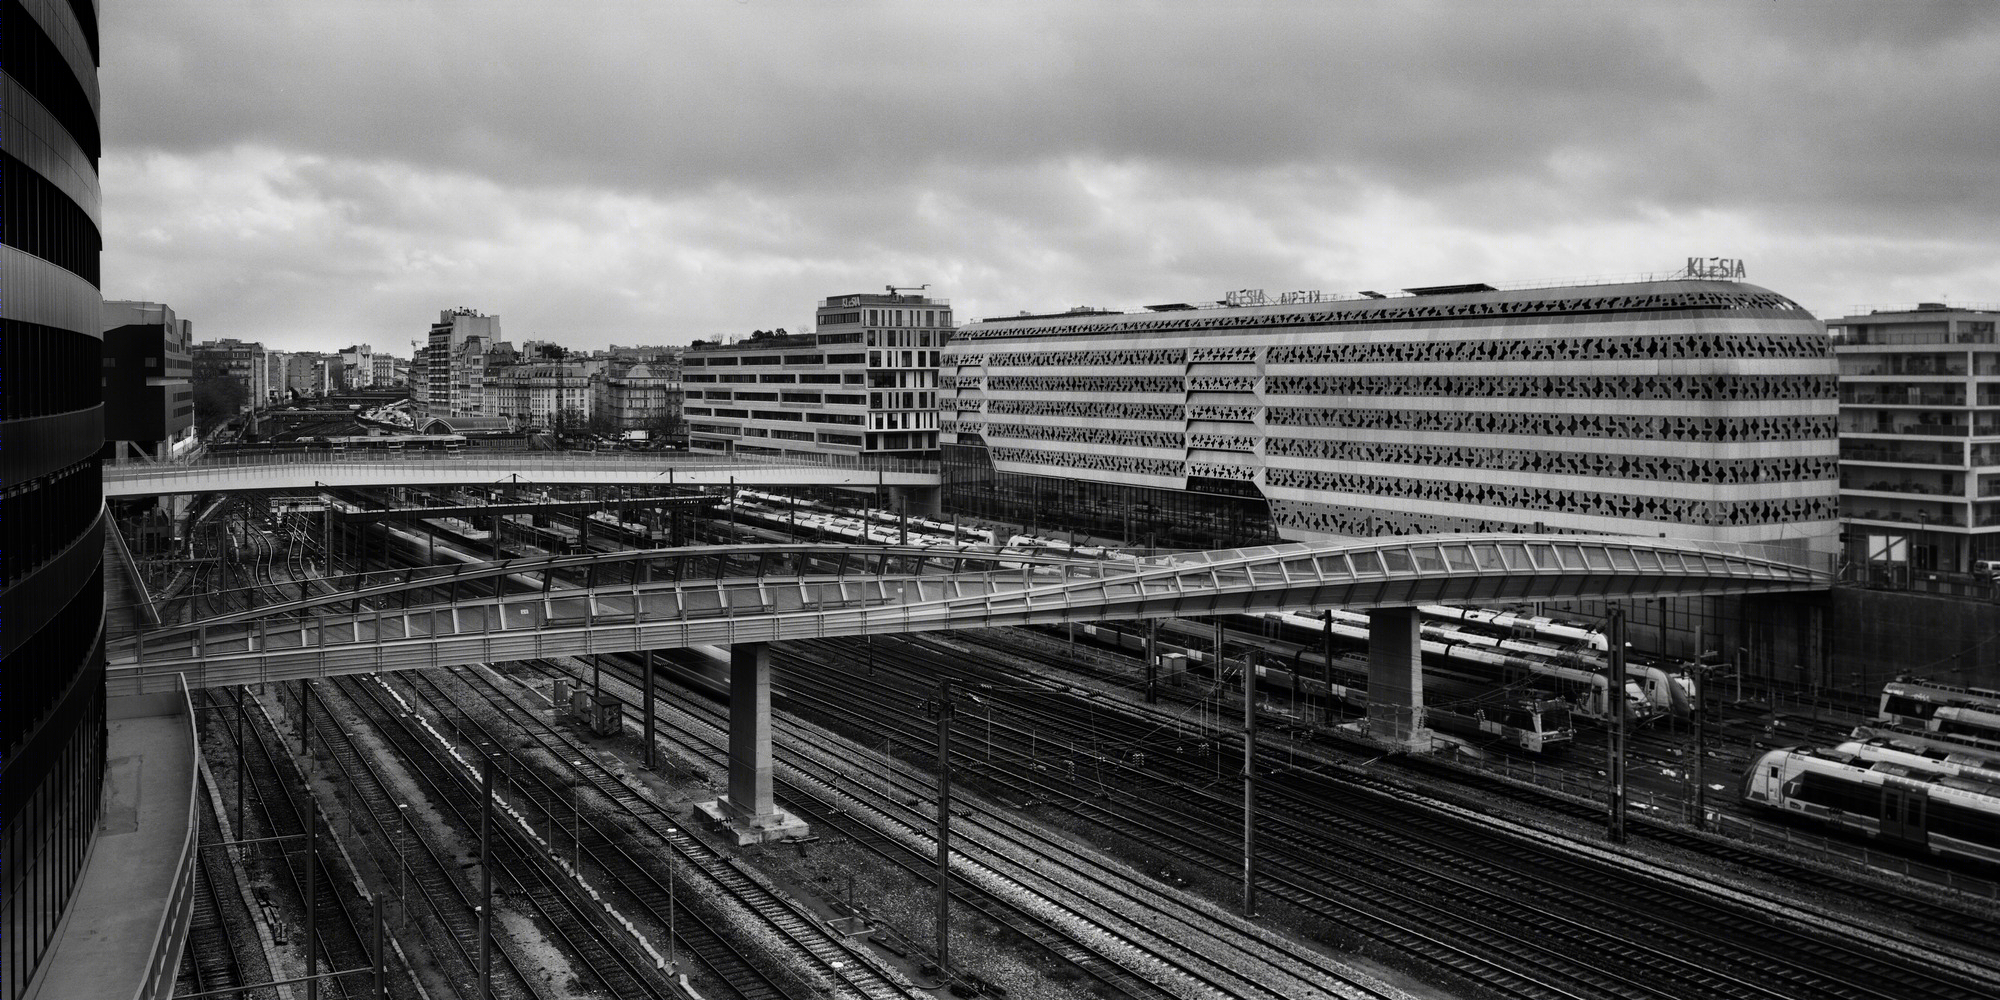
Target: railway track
x=603 y=846
x=273 y=780
x=209 y=961
x=828 y=957
x=1932 y=912
x=520 y=869
x=1175 y=951
x=1719 y=950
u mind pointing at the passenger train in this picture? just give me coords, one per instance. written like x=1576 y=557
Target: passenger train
x=1948 y=815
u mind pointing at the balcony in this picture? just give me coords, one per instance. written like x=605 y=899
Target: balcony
x=1922 y=430
x=1898 y=367
x=1911 y=453
x=1900 y=486
x=1928 y=400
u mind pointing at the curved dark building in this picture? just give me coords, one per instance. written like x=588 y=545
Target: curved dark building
x=52 y=425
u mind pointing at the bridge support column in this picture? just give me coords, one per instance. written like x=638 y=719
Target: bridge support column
x=1396 y=679
x=748 y=810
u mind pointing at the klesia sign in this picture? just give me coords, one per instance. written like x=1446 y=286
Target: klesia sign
x=1716 y=267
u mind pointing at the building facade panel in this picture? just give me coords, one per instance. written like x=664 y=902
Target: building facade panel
x=865 y=384
x=1701 y=409
x=1919 y=438
x=52 y=720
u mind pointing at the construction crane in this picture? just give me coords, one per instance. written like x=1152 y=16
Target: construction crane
x=899 y=289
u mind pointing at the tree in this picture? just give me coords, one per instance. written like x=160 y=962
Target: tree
x=217 y=398
x=551 y=352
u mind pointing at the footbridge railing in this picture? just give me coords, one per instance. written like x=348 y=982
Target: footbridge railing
x=619 y=602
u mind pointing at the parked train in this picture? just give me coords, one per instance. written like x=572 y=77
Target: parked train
x=1475 y=657
x=1567 y=644
x=1949 y=816
x=1526 y=722
x=1912 y=701
x=1917 y=736
x=1885 y=749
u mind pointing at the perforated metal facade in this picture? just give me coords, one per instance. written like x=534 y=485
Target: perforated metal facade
x=1691 y=408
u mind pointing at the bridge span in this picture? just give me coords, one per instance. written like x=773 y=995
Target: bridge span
x=305 y=471
x=747 y=596
x=664 y=598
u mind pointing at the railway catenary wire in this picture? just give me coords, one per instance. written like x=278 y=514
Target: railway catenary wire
x=209 y=960
x=1929 y=911
x=1707 y=930
x=464 y=929
x=830 y=957
x=448 y=901
x=1366 y=901
x=816 y=799
x=1080 y=888
x=602 y=847
x=277 y=813
x=519 y=869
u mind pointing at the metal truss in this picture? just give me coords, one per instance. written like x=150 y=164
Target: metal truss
x=663 y=598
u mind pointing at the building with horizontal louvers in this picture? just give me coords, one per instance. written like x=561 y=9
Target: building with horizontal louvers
x=1689 y=408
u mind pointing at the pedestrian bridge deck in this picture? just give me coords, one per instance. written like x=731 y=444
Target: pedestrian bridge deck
x=308 y=470
x=662 y=598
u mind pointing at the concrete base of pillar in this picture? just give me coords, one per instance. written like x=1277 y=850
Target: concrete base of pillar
x=780 y=825
x=1406 y=740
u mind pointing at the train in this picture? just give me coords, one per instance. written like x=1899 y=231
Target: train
x=1476 y=657
x=1913 y=701
x=1942 y=761
x=1945 y=815
x=1526 y=722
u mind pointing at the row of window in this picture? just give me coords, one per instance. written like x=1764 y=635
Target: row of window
x=45 y=515
x=1613 y=465
x=46 y=369
x=1629 y=506
x=1704 y=304
x=33 y=60
x=43 y=221
x=1671 y=387
x=1170 y=518
x=50 y=818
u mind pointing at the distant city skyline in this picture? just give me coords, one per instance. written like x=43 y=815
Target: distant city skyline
x=316 y=175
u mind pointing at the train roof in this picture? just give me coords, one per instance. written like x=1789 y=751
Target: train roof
x=1817 y=758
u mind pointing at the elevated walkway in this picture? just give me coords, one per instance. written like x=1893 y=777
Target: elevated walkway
x=128 y=921
x=307 y=470
x=665 y=598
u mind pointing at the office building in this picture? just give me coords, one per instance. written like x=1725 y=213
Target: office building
x=148 y=387
x=454 y=362
x=1690 y=408
x=864 y=385
x=1919 y=438
x=52 y=649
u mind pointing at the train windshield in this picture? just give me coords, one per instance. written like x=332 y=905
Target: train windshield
x=1556 y=719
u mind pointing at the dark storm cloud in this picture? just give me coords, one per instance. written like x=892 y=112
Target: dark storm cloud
x=587 y=166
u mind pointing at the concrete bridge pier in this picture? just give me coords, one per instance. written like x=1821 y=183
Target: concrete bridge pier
x=748 y=811
x=1396 y=679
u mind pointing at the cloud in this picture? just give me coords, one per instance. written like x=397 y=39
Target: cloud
x=626 y=171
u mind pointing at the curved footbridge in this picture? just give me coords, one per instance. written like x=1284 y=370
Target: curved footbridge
x=745 y=596
x=309 y=470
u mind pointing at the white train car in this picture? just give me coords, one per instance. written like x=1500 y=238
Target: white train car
x=1911 y=701
x=1946 y=815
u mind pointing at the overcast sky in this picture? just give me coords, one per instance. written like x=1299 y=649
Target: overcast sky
x=311 y=174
